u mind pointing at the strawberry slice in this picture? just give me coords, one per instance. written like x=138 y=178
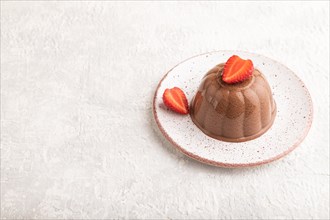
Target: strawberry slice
x=237 y=70
x=176 y=100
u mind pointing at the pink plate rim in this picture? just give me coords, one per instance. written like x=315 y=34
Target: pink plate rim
x=231 y=165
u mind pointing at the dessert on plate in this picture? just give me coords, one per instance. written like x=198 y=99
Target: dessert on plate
x=234 y=102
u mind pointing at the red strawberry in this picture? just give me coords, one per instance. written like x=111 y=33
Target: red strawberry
x=176 y=100
x=237 y=70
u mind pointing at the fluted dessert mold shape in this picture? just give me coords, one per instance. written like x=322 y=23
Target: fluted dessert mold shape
x=233 y=112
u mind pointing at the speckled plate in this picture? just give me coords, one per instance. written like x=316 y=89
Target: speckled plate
x=291 y=125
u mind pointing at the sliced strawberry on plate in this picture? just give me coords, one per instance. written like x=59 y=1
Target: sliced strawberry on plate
x=176 y=100
x=237 y=70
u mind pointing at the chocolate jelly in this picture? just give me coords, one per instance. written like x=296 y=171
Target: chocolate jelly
x=233 y=112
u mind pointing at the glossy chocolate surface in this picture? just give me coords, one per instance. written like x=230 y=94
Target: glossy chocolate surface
x=233 y=112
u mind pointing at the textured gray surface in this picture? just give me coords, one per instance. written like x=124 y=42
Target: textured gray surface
x=77 y=134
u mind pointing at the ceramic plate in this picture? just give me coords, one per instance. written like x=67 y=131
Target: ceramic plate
x=293 y=119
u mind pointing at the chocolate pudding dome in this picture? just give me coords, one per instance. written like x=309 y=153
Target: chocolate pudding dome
x=234 y=102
